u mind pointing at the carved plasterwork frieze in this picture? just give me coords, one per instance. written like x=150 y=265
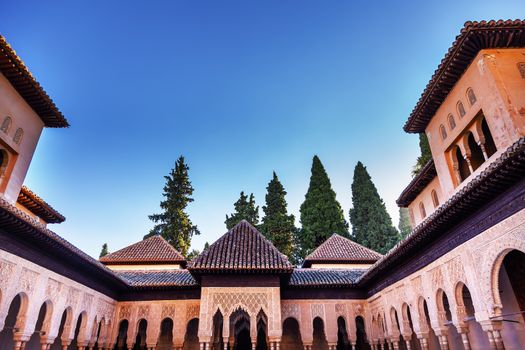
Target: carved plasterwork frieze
x=6 y=270
x=143 y=312
x=340 y=310
x=253 y=302
x=87 y=301
x=192 y=311
x=168 y=311
x=72 y=297
x=317 y=311
x=53 y=288
x=455 y=270
x=125 y=312
x=28 y=279
x=291 y=310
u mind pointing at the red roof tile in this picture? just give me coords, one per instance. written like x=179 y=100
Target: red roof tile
x=154 y=249
x=338 y=249
x=12 y=67
x=242 y=249
x=474 y=37
x=39 y=207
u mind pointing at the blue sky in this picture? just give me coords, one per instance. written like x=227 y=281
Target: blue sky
x=240 y=88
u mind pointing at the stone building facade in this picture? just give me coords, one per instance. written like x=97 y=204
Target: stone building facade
x=456 y=282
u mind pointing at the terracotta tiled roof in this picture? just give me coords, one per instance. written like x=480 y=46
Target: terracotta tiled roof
x=12 y=67
x=504 y=172
x=324 y=277
x=474 y=37
x=39 y=207
x=418 y=184
x=338 y=249
x=242 y=249
x=171 y=278
x=154 y=249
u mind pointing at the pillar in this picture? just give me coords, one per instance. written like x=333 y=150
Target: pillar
x=493 y=330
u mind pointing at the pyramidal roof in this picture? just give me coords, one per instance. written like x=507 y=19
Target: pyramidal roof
x=152 y=250
x=243 y=249
x=338 y=249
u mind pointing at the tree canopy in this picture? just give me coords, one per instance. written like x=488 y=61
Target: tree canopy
x=244 y=209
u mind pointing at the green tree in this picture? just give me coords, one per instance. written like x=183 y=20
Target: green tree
x=277 y=225
x=174 y=223
x=193 y=254
x=321 y=213
x=425 y=155
x=104 y=250
x=244 y=209
x=404 y=222
x=371 y=224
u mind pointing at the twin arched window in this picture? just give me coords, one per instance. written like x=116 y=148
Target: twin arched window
x=471 y=96
x=443 y=132
x=451 y=122
x=422 y=210
x=6 y=124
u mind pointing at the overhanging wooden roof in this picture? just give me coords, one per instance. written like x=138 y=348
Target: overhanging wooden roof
x=39 y=207
x=12 y=67
x=418 y=184
x=474 y=37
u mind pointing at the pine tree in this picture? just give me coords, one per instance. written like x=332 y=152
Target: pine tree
x=425 y=155
x=371 y=224
x=174 y=223
x=276 y=224
x=104 y=250
x=321 y=213
x=404 y=222
x=244 y=209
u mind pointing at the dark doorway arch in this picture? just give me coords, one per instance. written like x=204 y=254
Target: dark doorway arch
x=122 y=336
x=319 y=335
x=191 y=338
x=476 y=154
x=140 y=339
x=361 y=343
x=165 y=341
x=291 y=338
x=6 y=335
x=490 y=146
x=342 y=335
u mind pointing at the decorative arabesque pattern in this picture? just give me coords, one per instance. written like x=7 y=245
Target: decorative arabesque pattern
x=228 y=302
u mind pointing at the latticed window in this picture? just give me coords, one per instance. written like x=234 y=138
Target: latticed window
x=451 y=122
x=461 y=109
x=521 y=68
x=443 y=131
x=6 y=124
x=471 y=96
x=18 y=136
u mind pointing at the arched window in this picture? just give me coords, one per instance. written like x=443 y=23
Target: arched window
x=443 y=131
x=6 y=124
x=451 y=122
x=435 y=199
x=471 y=96
x=422 y=210
x=18 y=136
x=521 y=68
x=463 y=168
x=490 y=146
x=461 y=109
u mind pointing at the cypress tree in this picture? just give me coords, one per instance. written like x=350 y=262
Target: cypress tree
x=321 y=213
x=244 y=209
x=104 y=250
x=371 y=224
x=425 y=155
x=174 y=223
x=404 y=222
x=277 y=225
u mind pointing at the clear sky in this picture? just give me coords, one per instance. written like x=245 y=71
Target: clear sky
x=240 y=88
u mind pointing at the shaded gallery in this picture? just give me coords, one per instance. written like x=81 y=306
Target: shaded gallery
x=455 y=282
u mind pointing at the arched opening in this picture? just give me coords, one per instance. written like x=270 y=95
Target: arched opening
x=12 y=324
x=461 y=109
x=424 y=316
x=19 y=134
x=395 y=323
x=240 y=325
x=454 y=338
x=443 y=132
x=191 y=339
x=165 y=341
x=476 y=154
x=43 y=317
x=319 y=342
x=511 y=295
x=451 y=122
x=463 y=169
x=291 y=338
x=65 y=323
x=122 y=336
x=6 y=124
x=140 y=339
x=98 y=335
x=471 y=96
x=342 y=335
x=490 y=146
x=435 y=199
x=361 y=343
x=422 y=210
x=262 y=331
x=217 y=340
x=414 y=343
x=476 y=336
x=80 y=322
